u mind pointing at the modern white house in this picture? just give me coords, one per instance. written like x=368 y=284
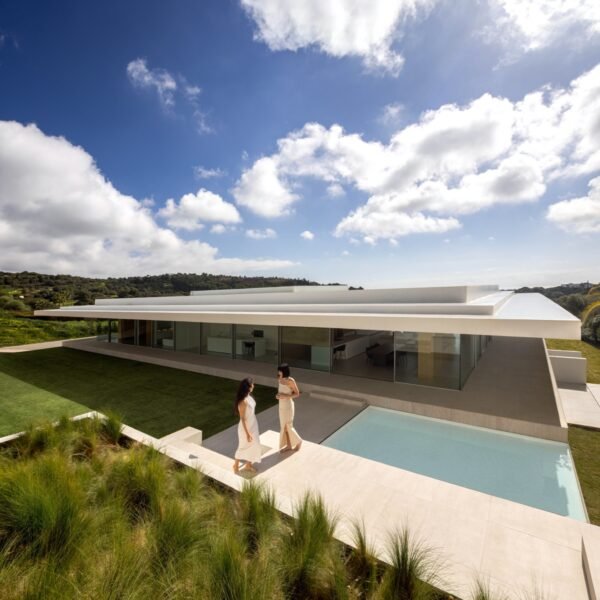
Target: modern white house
x=432 y=337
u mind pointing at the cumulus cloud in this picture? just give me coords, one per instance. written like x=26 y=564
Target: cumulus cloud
x=535 y=24
x=263 y=191
x=578 y=215
x=204 y=173
x=192 y=209
x=453 y=161
x=59 y=214
x=362 y=28
x=307 y=235
x=261 y=234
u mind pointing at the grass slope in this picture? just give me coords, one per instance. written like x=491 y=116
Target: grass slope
x=589 y=351
x=156 y=400
x=585 y=446
x=16 y=331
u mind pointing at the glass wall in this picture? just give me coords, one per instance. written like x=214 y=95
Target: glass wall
x=257 y=342
x=217 y=339
x=434 y=359
x=306 y=347
x=144 y=333
x=164 y=335
x=187 y=337
x=127 y=331
x=428 y=358
x=363 y=353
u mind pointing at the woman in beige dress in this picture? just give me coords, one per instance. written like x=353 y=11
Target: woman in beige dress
x=248 y=449
x=286 y=393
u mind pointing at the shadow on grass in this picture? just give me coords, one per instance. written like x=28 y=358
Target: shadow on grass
x=156 y=400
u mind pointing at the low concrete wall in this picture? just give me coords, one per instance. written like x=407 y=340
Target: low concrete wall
x=568 y=368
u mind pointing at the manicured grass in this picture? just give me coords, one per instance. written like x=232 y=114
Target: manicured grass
x=157 y=400
x=585 y=446
x=16 y=331
x=591 y=352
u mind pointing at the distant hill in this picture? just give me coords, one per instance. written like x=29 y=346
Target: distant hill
x=36 y=291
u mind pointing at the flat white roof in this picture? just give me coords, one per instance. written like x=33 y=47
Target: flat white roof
x=478 y=310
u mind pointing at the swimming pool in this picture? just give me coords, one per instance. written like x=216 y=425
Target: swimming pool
x=528 y=470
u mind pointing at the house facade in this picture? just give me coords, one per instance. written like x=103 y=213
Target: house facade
x=426 y=336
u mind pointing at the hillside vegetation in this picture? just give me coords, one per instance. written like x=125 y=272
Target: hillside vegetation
x=35 y=291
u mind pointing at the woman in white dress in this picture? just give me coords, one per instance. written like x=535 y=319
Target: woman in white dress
x=286 y=393
x=248 y=448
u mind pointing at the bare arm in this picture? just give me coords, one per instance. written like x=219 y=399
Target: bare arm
x=242 y=411
x=294 y=387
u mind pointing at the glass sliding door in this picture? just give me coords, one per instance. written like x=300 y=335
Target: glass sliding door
x=144 y=333
x=187 y=337
x=164 y=335
x=428 y=359
x=257 y=342
x=306 y=347
x=126 y=331
x=217 y=339
x=363 y=353
x=468 y=357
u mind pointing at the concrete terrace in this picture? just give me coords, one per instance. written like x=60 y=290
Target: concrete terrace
x=509 y=390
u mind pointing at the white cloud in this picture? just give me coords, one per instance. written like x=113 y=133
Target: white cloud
x=59 y=214
x=218 y=229
x=345 y=253
x=158 y=79
x=362 y=28
x=578 y=215
x=194 y=208
x=335 y=190
x=261 y=189
x=167 y=87
x=205 y=173
x=261 y=234
x=392 y=113
x=307 y=235
x=452 y=161
x=535 y=24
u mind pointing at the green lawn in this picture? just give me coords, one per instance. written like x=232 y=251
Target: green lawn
x=585 y=445
x=15 y=331
x=157 y=400
x=591 y=352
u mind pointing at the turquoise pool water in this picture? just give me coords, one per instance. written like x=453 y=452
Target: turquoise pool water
x=528 y=470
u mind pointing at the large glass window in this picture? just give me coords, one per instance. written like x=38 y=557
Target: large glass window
x=468 y=356
x=217 y=339
x=187 y=337
x=126 y=331
x=428 y=358
x=164 y=335
x=306 y=347
x=363 y=353
x=144 y=333
x=257 y=342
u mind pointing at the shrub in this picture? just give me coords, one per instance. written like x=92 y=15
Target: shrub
x=413 y=570
x=139 y=479
x=42 y=509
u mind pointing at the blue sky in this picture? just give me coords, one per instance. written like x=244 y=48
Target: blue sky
x=374 y=143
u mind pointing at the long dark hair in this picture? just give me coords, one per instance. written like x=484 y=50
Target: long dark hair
x=242 y=392
x=285 y=369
